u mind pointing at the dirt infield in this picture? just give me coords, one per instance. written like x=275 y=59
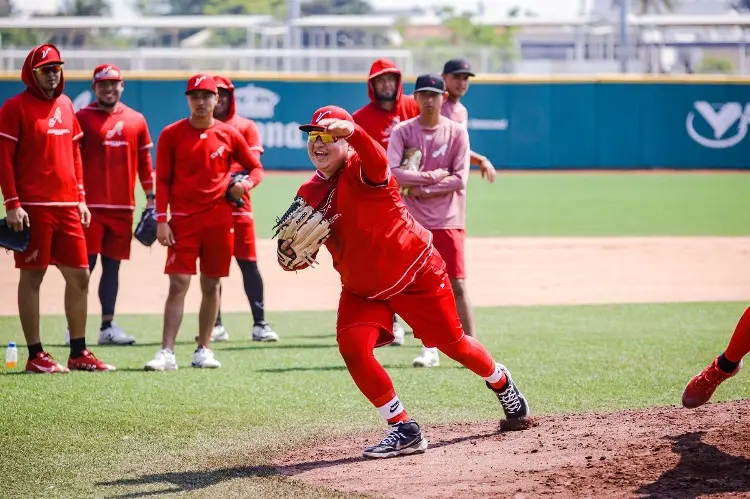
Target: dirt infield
x=501 y=271
x=659 y=453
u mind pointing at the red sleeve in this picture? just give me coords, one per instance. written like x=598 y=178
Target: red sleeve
x=10 y=131
x=374 y=160
x=252 y=137
x=164 y=170
x=244 y=156
x=145 y=166
x=77 y=160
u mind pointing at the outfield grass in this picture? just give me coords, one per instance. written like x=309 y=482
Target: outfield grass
x=67 y=435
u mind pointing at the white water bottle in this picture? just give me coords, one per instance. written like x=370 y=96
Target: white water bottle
x=11 y=356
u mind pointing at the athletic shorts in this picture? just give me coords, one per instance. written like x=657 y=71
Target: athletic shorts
x=206 y=236
x=110 y=233
x=56 y=238
x=244 y=237
x=427 y=305
x=451 y=244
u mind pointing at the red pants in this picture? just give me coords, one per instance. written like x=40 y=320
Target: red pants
x=244 y=237
x=110 y=233
x=451 y=244
x=427 y=305
x=208 y=236
x=56 y=238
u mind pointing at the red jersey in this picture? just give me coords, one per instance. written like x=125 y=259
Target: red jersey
x=249 y=130
x=116 y=147
x=376 y=121
x=370 y=223
x=193 y=167
x=40 y=164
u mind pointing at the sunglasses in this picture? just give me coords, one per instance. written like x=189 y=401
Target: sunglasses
x=326 y=138
x=49 y=69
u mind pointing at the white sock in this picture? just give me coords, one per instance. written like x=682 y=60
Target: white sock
x=495 y=376
x=391 y=409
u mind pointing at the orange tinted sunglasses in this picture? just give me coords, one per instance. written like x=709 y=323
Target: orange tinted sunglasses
x=327 y=138
x=49 y=68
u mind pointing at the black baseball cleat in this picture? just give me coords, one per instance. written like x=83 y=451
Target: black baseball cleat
x=404 y=438
x=514 y=404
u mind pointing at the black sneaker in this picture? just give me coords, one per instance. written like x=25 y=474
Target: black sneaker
x=404 y=438
x=514 y=404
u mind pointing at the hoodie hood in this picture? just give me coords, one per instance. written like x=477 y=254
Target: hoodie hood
x=384 y=66
x=226 y=83
x=40 y=56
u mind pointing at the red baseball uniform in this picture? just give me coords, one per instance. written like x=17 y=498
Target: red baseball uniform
x=193 y=170
x=385 y=258
x=40 y=168
x=375 y=120
x=116 y=147
x=244 y=225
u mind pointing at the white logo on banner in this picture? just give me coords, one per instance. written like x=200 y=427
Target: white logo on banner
x=721 y=118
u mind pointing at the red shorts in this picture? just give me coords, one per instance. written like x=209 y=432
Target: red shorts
x=56 y=238
x=110 y=233
x=450 y=243
x=427 y=305
x=244 y=237
x=208 y=236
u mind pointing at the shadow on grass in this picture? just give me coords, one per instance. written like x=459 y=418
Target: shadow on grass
x=186 y=481
x=703 y=470
x=343 y=368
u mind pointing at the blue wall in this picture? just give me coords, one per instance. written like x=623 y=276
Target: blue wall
x=524 y=125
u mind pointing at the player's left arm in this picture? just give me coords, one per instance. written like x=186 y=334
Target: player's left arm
x=249 y=162
x=83 y=210
x=145 y=163
x=485 y=166
x=457 y=180
x=374 y=159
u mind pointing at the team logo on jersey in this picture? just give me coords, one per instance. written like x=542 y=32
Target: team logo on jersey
x=116 y=130
x=440 y=151
x=56 y=118
x=219 y=153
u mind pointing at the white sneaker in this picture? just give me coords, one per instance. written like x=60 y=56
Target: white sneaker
x=399 y=334
x=204 y=359
x=428 y=358
x=218 y=333
x=263 y=332
x=113 y=335
x=164 y=360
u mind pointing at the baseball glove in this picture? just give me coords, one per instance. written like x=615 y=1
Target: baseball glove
x=145 y=231
x=236 y=178
x=411 y=161
x=12 y=240
x=307 y=230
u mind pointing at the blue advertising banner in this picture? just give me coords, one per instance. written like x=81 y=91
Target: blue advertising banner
x=593 y=124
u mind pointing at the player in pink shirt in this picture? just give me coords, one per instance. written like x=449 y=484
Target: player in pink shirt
x=436 y=194
x=456 y=73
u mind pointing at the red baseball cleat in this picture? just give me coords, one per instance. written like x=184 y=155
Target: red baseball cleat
x=703 y=385
x=44 y=363
x=87 y=362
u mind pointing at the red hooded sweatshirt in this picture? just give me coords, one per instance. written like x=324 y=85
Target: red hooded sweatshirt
x=376 y=121
x=247 y=129
x=40 y=163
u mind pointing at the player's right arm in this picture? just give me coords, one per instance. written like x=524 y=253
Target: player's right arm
x=10 y=132
x=408 y=178
x=164 y=172
x=372 y=155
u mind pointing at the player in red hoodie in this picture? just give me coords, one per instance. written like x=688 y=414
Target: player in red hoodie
x=244 y=225
x=194 y=161
x=387 y=265
x=388 y=107
x=42 y=184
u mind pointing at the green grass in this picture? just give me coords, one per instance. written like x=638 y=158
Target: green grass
x=574 y=204
x=131 y=433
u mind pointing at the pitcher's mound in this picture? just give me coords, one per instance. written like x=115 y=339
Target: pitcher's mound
x=668 y=452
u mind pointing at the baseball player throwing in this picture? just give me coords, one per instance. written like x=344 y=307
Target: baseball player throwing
x=194 y=160
x=42 y=184
x=387 y=265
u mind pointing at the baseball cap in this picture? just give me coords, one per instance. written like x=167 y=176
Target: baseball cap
x=429 y=83
x=201 y=81
x=326 y=112
x=45 y=55
x=457 y=66
x=107 y=72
